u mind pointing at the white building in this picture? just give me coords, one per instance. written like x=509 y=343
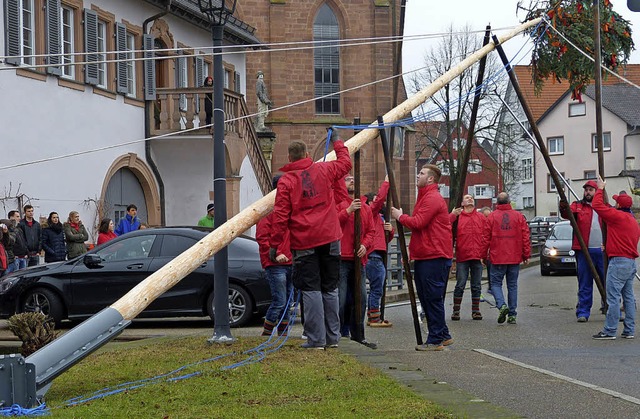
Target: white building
x=74 y=132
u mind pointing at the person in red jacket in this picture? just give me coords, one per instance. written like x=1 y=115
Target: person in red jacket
x=622 y=248
x=431 y=247
x=306 y=208
x=278 y=274
x=506 y=241
x=105 y=231
x=347 y=205
x=469 y=247
x=591 y=231
x=376 y=270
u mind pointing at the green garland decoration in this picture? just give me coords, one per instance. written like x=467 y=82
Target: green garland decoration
x=553 y=58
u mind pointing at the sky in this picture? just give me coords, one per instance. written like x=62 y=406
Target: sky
x=432 y=16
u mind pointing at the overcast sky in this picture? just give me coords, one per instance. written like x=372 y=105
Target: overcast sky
x=431 y=16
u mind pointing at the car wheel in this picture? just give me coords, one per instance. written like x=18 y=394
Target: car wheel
x=545 y=272
x=42 y=300
x=240 y=306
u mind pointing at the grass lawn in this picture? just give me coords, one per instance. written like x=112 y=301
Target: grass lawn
x=289 y=383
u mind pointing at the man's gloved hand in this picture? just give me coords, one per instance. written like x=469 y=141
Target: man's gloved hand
x=272 y=254
x=563 y=205
x=334 y=135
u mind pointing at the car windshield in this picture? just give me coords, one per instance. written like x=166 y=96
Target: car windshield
x=561 y=232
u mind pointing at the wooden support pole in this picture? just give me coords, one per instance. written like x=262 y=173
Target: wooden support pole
x=166 y=277
x=547 y=159
x=393 y=191
x=358 y=333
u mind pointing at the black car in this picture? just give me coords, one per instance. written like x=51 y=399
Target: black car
x=556 y=255
x=80 y=287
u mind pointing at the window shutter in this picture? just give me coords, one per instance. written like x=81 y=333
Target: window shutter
x=199 y=63
x=12 y=32
x=149 y=68
x=471 y=190
x=91 y=46
x=236 y=82
x=54 y=44
x=180 y=64
x=121 y=64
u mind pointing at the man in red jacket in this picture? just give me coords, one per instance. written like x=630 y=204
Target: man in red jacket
x=347 y=206
x=278 y=274
x=431 y=248
x=589 y=225
x=376 y=271
x=506 y=241
x=306 y=208
x=622 y=248
x=469 y=247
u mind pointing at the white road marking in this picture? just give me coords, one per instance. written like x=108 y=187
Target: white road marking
x=561 y=377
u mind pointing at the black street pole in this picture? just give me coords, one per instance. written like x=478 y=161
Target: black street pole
x=221 y=329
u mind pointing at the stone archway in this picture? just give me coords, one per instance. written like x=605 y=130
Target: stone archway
x=147 y=181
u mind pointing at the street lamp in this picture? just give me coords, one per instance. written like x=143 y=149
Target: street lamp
x=218 y=12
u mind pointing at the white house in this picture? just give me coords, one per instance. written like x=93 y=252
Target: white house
x=78 y=128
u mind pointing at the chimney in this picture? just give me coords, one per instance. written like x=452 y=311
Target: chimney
x=630 y=163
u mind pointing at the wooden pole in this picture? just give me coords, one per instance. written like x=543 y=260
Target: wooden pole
x=547 y=159
x=393 y=191
x=358 y=333
x=143 y=294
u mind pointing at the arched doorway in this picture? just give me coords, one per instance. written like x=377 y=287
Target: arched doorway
x=130 y=181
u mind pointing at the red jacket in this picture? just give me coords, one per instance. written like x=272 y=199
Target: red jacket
x=381 y=237
x=430 y=226
x=583 y=213
x=622 y=232
x=469 y=236
x=506 y=236
x=304 y=202
x=367 y=228
x=263 y=233
x=105 y=237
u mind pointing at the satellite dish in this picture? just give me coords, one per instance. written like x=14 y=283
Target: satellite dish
x=633 y=5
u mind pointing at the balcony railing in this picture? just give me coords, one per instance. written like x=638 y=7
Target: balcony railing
x=184 y=109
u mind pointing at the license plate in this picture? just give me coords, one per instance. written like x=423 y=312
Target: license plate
x=568 y=260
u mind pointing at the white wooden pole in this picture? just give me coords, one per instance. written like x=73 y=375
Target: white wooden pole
x=136 y=300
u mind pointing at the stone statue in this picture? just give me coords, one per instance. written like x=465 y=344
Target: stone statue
x=263 y=103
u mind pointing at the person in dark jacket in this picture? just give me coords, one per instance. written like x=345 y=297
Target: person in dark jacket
x=208 y=103
x=76 y=235
x=53 y=241
x=32 y=234
x=20 y=252
x=130 y=222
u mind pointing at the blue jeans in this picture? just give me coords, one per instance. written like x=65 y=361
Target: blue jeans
x=20 y=264
x=280 y=282
x=620 y=275
x=585 y=280
x=11 y=267
x=462 y=273
x=498 y=272
x=376 y=274
x=431 y=278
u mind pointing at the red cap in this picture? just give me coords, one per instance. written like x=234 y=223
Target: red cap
x=591 y=183
x=623 y=200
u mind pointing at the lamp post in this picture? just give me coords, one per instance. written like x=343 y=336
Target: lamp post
x=218 y=11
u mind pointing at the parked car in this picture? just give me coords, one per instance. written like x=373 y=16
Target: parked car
x=557 y=255
x=81 y=287
x=541 y=224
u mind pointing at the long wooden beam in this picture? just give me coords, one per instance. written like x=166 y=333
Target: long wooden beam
x=143 y=294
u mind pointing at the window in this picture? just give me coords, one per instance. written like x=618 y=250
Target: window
x=482 y=191
x=444 y=167
x=527 y=202
x=577 y=109
x=459 y=143
x=20 y=24
x=475 y=166
x=590 y=174
x=172 y=246
x=129 y=248
x=326 y=61
x=67 y=43
x=551 y=186
x=444 y=190
x=606 y=142
x=527 y=169
x=102 y=56
x=131 y=65
x=555 y=145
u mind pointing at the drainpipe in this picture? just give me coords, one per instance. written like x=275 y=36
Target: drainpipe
x=148 y=104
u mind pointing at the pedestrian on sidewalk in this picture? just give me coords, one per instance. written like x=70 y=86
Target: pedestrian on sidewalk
x=486 y=211
x=506 y=239
x=53 y=241
x=431 y=247
x=621 y=246
x=469 y=247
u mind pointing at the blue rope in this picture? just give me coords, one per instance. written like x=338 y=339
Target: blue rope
x=17 y=410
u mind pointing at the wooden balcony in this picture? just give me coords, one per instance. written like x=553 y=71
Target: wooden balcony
x=182 y=112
